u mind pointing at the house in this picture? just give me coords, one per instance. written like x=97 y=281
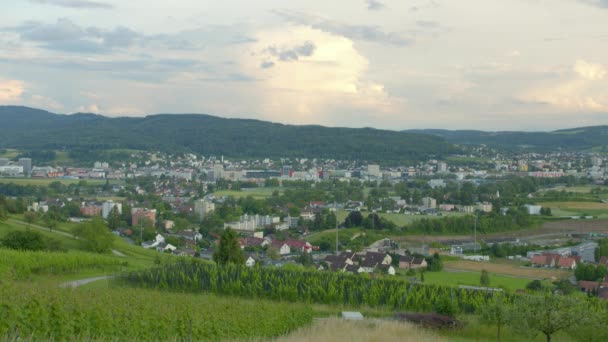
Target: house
x=250 y=262
x=411 y=262
x=556 y=260
x=339 y=262
x=152 y=244
x=252 y=241
x=190 y=235
x=299 y=245
x=163 y=246
x=388 y=269
x=371 y=260
x=283 y=248
x=600 y=288
x=353 y=269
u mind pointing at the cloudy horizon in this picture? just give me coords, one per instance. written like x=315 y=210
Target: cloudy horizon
x=472 y=64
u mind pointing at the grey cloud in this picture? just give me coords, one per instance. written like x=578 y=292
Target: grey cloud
x=598 y=3
x=374 y=5
x=356 y=32
x=306 y=50
x=79 y=4
x=267 y=64
x=427 y=24
x=66 y=36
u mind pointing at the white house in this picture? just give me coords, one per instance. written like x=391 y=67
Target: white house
x=250 y=262
x=152 y=244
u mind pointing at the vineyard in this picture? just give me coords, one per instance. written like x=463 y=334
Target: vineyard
x=304 y=286
x=21 y=264
x=26 y=313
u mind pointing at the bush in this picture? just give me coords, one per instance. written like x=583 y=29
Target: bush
x=24 y=240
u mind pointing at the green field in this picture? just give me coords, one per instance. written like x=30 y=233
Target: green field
x=472 y=278
x=47 y=181
x=399 y=219
x=257 y=193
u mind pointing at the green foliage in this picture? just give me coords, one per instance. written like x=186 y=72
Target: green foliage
x=24 y=240
x=229 y=250
x=496 y=312
x=434 y=264
x=140 y=315
x=590 y=272
x=210 y=135
x=94 y=236
x=21 y=264
x=114 y=218
x=303 y=285
x=484 y=279
x=445 y=305
x=515 y=219
x=546 y=314
x=601 y=250
x=534 y=285
x=354 y=219
x=30 y=217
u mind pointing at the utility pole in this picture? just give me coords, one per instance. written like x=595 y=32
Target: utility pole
x=336 y=213
x=475 y=234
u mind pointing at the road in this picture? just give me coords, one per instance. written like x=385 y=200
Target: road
x=115 y=252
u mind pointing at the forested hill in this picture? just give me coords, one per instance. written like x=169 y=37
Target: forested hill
x=27 y=128
x=574 y=139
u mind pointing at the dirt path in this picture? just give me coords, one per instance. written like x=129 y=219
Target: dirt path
x=76 y=283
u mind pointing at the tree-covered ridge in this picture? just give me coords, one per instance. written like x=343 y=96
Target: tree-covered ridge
x=27 y=128
x=574 y=139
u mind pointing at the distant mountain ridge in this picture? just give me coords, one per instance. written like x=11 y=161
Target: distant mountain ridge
x=572 y=139
x=28 y=128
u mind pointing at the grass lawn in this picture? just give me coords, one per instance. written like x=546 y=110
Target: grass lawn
x=472 y=278
x=47 y=181
x=506 y=267
x=257 y=193
x=400 y=220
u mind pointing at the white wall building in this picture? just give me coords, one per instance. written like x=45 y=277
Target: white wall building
x=107 y=208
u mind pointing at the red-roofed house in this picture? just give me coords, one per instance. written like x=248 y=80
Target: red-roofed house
x=299 y=245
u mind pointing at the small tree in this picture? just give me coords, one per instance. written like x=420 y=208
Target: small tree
x=3 y=214
x=484 y=280
x=546 y=314
x=229 y=251
x=114 y=218
x=495 y=312
x=94 y=235
x=30 y=217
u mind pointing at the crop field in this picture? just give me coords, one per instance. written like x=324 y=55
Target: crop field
x=141 y=315
x=447 y=278
x=22 y=264
x=504 y=267
x=573 y=205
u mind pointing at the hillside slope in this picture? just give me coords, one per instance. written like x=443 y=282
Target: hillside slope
x=574 y=139
x=27 y=128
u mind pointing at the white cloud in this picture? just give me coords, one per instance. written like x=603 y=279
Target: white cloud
x=92 y=108
x=11 y=90
x=583 y=91
x=45 y=102
x=590 y=71
x=300 y=91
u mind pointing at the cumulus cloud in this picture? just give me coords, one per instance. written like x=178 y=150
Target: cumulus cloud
x=11 y=90
x=374 y=5
x=586 y=90
x=332 y=78
x=590 y=71
x=351 y=31
x=78 y=4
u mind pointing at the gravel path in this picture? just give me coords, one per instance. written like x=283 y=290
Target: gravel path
x=76 y=283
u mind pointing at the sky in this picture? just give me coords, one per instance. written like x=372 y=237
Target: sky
x=390 y=64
